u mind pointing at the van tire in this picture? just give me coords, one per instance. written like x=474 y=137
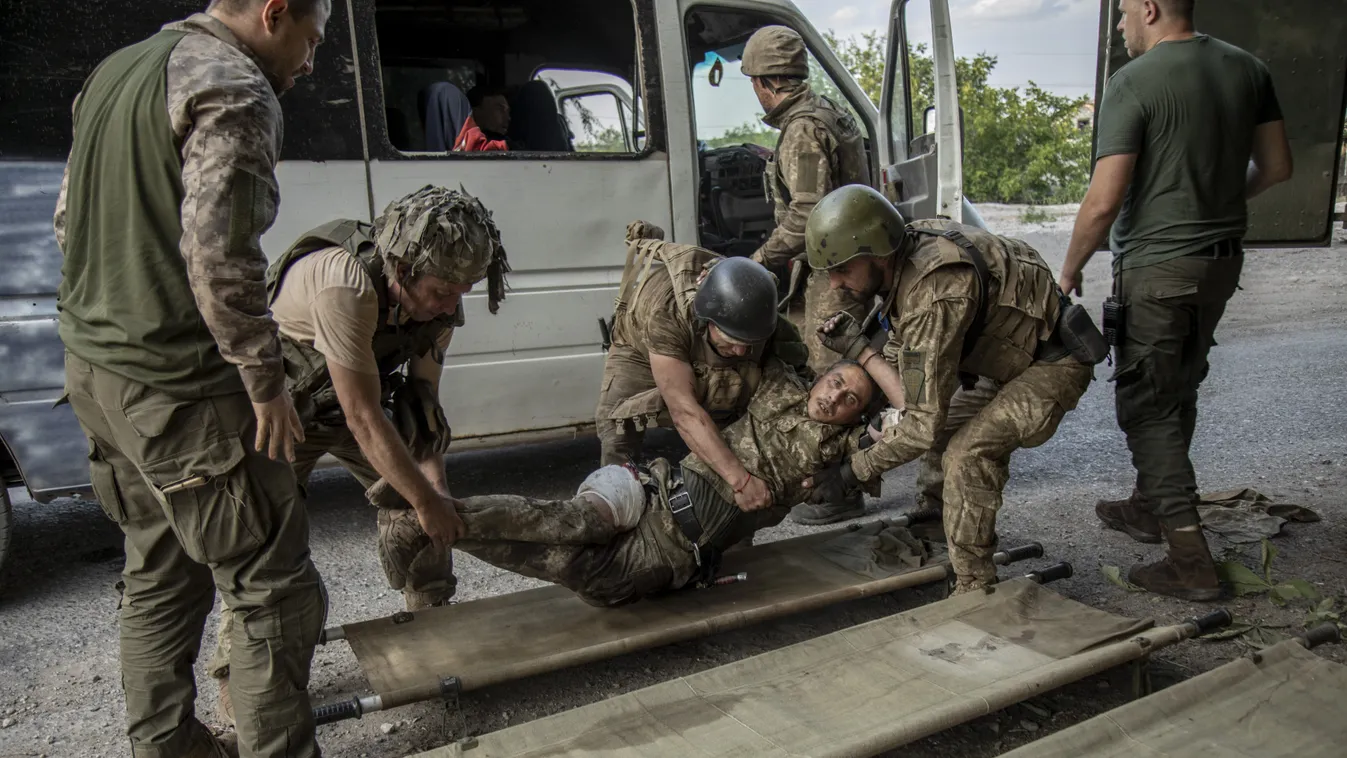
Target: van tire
x=6 y=525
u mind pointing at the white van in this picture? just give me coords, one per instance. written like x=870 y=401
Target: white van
x=614 y=101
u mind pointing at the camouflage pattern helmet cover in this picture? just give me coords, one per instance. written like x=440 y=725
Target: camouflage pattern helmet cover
x=775 y=51
x=443 y=233
x=850 y=221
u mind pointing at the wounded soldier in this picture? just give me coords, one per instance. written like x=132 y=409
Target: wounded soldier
x=625 y=535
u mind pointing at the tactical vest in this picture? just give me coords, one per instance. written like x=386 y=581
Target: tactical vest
x=723 y=386
x=306 y=372
x=852 y=166
x=1021 y=302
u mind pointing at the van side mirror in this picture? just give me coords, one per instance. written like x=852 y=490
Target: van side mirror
x=928 y=128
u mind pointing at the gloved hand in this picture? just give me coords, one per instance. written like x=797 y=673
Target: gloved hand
x=833 y=484
x=842 y=334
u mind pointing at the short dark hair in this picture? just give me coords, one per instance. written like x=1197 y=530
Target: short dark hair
x=299 y=7
x=1181 y=8
x=877 y=398
x=478 y=95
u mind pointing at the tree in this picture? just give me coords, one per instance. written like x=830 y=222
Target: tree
x=1019 y=147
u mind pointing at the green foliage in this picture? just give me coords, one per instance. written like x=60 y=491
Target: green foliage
x=1283 y=592
x=1019 y=146
x=752 y=132
x=1114 y=575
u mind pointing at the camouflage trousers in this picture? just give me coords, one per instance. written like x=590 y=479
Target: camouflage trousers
x=424 y=575
x=625 y=374
x=1024 y=412
x=202 y=512
x=819 y=304
x=565 y=542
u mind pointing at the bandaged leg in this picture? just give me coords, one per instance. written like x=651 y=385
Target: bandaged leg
x=619 y=488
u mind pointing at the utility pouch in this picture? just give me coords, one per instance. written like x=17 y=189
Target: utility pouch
x=1113 y=321
x=1080 y=336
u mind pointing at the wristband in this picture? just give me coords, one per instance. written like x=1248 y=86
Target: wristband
x=740 y=489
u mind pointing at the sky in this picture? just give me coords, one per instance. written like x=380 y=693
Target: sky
x=1051 y=42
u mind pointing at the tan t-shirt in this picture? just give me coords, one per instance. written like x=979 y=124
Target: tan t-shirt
x=655 y=326
x=328 y=301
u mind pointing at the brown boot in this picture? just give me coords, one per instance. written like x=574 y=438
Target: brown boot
x=419 y=601
x=206 y=745
x=1128 y=517
x=224 y=709
x=1187 y=572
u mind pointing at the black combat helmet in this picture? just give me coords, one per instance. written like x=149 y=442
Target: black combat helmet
x=739 y=297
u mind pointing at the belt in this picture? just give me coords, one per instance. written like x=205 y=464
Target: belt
x=680 y=505
x=1227 y=248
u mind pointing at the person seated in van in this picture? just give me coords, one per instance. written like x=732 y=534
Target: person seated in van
x=630 y=533
x=485 y=128
x=356 y=303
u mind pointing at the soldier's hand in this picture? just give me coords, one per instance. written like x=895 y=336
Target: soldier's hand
x=439 y=518
x=1072 y=283
x=842 y=334
x=832 y=484
x=278 y=428
x=754 y=496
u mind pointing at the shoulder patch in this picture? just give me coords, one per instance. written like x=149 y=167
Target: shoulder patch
x=912 y=370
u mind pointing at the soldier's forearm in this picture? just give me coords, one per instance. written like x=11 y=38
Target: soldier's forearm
x=699 y=431
x=885 y=375
x=388 y=454
x=433 y=468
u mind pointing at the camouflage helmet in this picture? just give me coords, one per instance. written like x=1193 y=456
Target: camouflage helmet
x=444 y=233
x=775 y=51
x=850 y=221
x=739 y=297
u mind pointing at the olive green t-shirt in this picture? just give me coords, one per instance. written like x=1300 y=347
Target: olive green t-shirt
x=1188 y=110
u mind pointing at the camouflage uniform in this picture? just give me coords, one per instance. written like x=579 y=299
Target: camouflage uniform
x=1028 y=380
x=468 y=249
x=819 y=149
x=168 y=339
x=654 y=315
x=567 y=543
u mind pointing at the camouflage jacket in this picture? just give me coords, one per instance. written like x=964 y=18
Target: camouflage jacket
x=225 y=115
x=778 y=443
x=820 y=149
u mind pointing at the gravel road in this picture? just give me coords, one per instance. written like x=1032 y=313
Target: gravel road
x=1272 y=418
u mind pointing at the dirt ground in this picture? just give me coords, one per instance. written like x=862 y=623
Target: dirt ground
x=1271 y=418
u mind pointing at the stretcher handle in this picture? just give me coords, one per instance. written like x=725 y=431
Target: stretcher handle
x=1061 y=570
x=919 y=517
x=1025 y=552
x=1212 y=621
x=338 y=711
x=1326 y=632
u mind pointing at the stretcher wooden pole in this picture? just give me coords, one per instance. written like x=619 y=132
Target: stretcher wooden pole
x=448 y=686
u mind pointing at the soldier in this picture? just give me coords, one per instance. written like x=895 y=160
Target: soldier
x=614 y=544
x=820 y=148
x=962 y=304
x=1177 y=130
x=356 y=304
x=174 y=369
x=688 y=345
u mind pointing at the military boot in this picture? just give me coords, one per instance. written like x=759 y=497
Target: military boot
x=207 y=745
x=224 y=709
x=810 y=514
x=1187 y=572
x=1130 y=517
x=419 y=601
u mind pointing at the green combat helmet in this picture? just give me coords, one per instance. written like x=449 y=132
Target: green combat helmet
x=850 y=221
x=775 y=51
x=445 y=233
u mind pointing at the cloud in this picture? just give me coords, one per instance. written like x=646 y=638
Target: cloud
x=1007 y=10
x=845 y=15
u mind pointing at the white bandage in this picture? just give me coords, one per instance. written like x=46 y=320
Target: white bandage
x=621 y=490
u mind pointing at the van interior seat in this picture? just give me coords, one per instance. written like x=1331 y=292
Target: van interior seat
x=535 y=120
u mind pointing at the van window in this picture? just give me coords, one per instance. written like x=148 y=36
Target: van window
x=733 y=143
x=494 y=76
x=47 y=51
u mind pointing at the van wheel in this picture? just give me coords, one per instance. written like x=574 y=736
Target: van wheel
x=6 y=524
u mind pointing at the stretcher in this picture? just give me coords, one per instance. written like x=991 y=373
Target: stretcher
x=860 y=691
x=441 y=652
x=1281 y=702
